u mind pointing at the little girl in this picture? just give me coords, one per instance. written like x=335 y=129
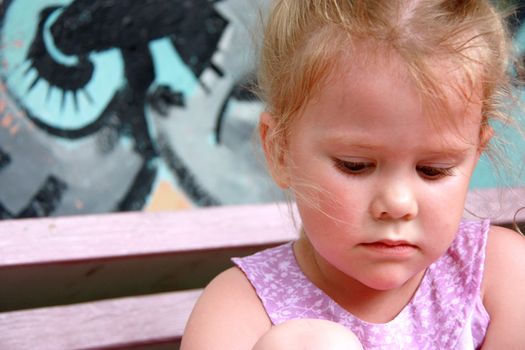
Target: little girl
x=377 y=113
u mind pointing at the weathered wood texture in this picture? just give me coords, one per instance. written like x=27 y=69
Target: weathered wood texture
x=48 y=263
x=130 y=280
x=498 y=204
x=73 y=259
x=501 y=205
x=144 y=322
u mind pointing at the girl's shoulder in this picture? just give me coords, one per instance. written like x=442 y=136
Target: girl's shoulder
x=228 y=315
x=505 y=261
x=503 y=289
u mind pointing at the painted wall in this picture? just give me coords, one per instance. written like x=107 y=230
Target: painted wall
x=113 y=105
x=117 y=105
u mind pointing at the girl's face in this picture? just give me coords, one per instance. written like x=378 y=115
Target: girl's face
x=379 y=188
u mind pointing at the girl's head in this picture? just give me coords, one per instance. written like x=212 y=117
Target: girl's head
x=377 y=114
x=306 y=41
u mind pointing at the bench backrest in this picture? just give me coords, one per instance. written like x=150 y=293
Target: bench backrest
x=126 y=280
x=130 y=280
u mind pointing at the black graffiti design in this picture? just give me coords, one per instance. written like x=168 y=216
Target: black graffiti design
x=44 y=201
x=66 y=78
x=87 y=26
x=84 y=27
x=4 y=159
x=515 y=24
x=186 y=179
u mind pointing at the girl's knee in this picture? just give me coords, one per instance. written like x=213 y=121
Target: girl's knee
x=308 y=334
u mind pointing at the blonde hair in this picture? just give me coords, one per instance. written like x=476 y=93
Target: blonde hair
x=304 y=39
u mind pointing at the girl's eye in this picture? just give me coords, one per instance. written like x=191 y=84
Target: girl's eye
x=434 y=173
x=353 y=168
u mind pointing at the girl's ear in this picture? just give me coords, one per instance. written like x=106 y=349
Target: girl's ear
x=273 y=149
x=485 y=135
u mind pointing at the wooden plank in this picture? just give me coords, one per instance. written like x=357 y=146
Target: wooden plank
x=77 y=259
x=151 y=322
x=498 y=204
x=35 y=241
x=67 y=239
x=31 y=286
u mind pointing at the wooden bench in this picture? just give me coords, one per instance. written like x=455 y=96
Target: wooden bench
x=120 y=281
x=130 y=280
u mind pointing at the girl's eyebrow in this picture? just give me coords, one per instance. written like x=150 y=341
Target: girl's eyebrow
x=453 y=155
x=445 y=150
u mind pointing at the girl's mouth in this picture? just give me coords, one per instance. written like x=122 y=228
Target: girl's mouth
x=391 y=248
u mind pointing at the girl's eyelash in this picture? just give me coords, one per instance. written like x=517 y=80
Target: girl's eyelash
x=358 y=168
x=353 y=168
x=434 y=173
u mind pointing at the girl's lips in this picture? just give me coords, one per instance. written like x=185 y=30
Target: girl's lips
x=391 y=248
x=390 y=243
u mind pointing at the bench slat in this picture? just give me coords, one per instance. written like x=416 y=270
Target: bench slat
x=127 y=322
x=498 y=204
x=78 y=259
x=46 y=240
x=51 y=261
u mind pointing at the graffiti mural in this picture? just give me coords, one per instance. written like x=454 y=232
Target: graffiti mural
x=117 y=105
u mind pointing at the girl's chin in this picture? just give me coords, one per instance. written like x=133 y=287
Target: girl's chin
x=384 y=286
x=388 y=281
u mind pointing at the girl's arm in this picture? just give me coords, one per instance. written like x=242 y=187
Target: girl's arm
x=228 y=315
x=504 y=289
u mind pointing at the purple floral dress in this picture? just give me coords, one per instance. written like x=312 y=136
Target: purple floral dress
x=446 y=312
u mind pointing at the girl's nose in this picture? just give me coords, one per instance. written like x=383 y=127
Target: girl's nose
x=394 y=202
